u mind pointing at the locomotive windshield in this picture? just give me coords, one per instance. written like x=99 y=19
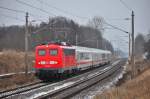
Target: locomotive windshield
x=41 y=52
x=53 y=52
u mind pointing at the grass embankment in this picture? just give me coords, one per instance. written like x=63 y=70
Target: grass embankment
x=136 y=88
x=16 y=81
x=13 y=61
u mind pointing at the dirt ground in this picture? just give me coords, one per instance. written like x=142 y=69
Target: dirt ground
x=131 y=87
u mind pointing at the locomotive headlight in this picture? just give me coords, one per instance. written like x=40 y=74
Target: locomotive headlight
x=53 y=62
x=43 y=62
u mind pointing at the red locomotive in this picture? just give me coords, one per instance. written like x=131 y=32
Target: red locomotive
x=61 y=58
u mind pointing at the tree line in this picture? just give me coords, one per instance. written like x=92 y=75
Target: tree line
x=57 y=28
x=142 y=45
x=147 y=46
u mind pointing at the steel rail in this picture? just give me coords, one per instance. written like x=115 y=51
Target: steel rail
x=69 y=90
x=8 y=75
x=10 y=92
x=34 y=88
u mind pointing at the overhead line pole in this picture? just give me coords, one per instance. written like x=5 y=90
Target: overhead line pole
x=26 y=44
x=132 y=57
x=129 y=46
x=132 y=36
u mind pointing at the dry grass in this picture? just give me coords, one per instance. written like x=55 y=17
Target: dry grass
x=13 y=61
x=137 y=88
x=16 y=81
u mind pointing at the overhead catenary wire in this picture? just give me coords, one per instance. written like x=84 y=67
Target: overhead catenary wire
x=61 y=10
x=37 y=19
x=118 y=19
x=18 y=19
x=14 y=10
x=42 y=28
x=91 y=39
x=129 y=8
x=29 y=5
x=20 y=11
x=12 y=17
x=115 y=27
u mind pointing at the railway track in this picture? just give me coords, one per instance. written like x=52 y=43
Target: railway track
x=9 y=75
x=75 y=88
x=58 y=89
x=24 y=88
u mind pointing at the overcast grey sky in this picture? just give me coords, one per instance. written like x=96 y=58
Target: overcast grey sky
x=113 y=11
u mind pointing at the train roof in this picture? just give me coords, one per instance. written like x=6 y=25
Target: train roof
x=78 y=48
x=86 y=49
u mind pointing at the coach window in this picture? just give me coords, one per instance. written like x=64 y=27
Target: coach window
x=81 y=56
x=103 y=56
x=53 y=52
x=87 y=56
x=41 y=52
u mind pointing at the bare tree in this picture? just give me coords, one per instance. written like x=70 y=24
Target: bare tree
x=139 y=45
x=97 y=22
x=147 y=46
x=58 y=28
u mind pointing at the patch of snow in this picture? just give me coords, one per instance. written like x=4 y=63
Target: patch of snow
x=64 y=85
x=1 y=53
x=7 y=74
x=105 y=68
x=102 y=87
x=109 y=84
x=144 y=56
x=55 y=88
x=97 y=73
x=115 y=63
x=82 y=78
x=91 y=75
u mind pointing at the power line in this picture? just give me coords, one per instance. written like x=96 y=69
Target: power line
x=118 y=19
x=29 y=5
x=18 y=11
x=116 y=27
x=91 y=39
x=42 y=28
x=35 y=16
x=125 y=5
x=58 y=9
x=12 y=17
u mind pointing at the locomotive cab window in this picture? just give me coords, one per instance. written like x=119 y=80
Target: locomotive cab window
x=41 y=52
x=53 y=52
